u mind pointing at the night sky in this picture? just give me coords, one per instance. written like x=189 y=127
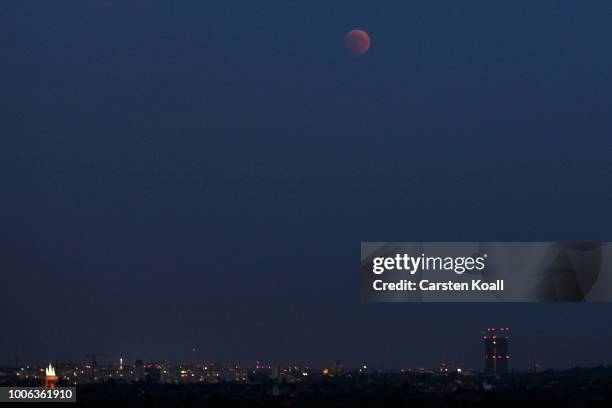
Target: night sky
x=187 y=173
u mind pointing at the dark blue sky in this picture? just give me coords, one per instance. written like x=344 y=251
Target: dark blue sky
x=180 y=173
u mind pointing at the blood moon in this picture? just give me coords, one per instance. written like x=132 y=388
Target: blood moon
x=357 y=42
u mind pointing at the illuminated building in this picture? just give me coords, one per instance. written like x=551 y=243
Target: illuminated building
x=50 y=377
x=496 y=355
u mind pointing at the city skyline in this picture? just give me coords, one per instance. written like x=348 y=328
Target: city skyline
x=496 y=341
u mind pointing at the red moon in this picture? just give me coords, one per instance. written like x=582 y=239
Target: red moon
x=357 y=42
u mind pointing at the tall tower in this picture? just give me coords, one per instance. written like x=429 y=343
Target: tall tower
x=496 y=355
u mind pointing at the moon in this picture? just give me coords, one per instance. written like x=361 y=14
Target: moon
x=357 y=42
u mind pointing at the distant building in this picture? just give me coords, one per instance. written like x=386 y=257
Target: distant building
x=50 y=377
x=229 y=373
x=338 y=369
x=139 y=371
x=152 y=373
x=496 y=355
x=535 y=367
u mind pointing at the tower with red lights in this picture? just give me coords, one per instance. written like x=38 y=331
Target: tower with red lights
x=496 y=355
